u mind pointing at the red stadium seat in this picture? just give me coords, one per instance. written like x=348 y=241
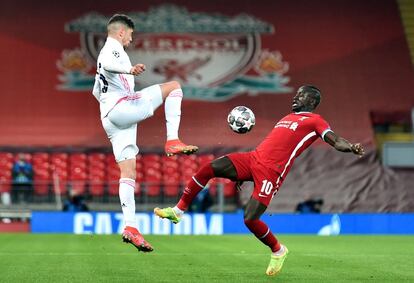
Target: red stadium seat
x=187 y=174
x=6 y=165
x=42 y=177
x=151 y=161
x=41 y=166
x=41 y=180
x=152 y=181
x=188 y=161
x=78 y=172
x=78 y=178
x=150 y=157
x=229 y=187
x=6 y=156
x=60 y=178
x=78 y=157
x=139 y=166
x=112 y=175
x=97 y=156
x=110 y=161
x=97 y=171
x=212 y=187
x=42 y=156
x=171 y=184
x=96 y=188
x=138 y=183
x=153 y=188
x=205 y=158
x=5 y=181
x=113 y=187
x=60 y=157
x=41 y=189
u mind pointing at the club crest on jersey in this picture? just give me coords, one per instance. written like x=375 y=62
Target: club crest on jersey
x=115 y=53
x=214 y=57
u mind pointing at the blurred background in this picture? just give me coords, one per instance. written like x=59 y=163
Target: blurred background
x=54 y=154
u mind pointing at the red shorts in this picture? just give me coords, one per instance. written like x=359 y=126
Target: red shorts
x=266 y=181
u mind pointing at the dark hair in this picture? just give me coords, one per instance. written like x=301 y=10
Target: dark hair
x=121 y=18
x=314 y=92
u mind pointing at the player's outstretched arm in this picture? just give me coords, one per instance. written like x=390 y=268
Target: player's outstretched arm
x=341 y=144
x=119 y=69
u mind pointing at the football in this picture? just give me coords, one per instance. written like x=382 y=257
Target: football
x=241 y=119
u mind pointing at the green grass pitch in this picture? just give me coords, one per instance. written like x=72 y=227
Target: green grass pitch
x=232 y=258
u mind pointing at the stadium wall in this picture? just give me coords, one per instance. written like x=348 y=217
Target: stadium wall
x=218 y=224
x=355 y=51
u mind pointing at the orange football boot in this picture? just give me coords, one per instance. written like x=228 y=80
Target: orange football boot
x=173 y=147
x=131 y=235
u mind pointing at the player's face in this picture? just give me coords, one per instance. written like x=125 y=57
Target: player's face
x=301 y=101
x=127 y=37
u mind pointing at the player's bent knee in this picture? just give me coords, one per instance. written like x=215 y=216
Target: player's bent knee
x=174 y=85
x=170 y=87
x=248 y=218
x=249 y=222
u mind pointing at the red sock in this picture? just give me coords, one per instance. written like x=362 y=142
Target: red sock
x=196 y=184
x=263 y=233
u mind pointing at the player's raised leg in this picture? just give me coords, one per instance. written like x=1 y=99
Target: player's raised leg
x=221 y=167
x=196 y=184
x=126 y=197
x=173 y=95
x=252 y=213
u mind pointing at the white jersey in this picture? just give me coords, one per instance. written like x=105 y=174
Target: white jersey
x=112 y=80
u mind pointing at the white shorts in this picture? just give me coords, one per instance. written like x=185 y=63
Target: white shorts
x=121 y=122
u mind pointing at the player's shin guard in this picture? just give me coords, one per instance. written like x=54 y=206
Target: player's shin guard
x=172 y=108
x=196 y=184
x=263 y=233
x=126 y=196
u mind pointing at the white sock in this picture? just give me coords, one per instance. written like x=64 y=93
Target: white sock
x=126 y=196
x=178 y=211
x=280 y=251
x=173 y=113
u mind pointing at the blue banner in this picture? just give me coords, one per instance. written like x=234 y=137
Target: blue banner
x=227 y=223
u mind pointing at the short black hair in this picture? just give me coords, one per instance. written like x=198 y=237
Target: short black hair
x=314 y=92
x=121 y=18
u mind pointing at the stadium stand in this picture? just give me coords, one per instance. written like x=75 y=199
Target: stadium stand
x=96 y=170
x=6 y=165
x=95 y=175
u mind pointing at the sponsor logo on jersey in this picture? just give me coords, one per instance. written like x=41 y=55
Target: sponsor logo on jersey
x=214 y=57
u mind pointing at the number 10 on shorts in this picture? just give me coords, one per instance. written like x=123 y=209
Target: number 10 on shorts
x=267 y=187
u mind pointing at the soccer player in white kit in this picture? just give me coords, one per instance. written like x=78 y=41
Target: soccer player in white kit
x=122 y=108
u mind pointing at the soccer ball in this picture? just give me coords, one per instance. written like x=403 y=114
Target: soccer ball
x=241 y=119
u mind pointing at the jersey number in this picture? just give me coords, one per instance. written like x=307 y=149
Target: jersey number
x=266 y=187
x=104 y=81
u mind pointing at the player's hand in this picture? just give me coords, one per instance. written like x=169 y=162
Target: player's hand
x=358 y=149
x=137 y=69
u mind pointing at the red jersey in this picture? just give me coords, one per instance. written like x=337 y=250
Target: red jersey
x=290 y=137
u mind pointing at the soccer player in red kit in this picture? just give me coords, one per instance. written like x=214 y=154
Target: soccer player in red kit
x=267 y=167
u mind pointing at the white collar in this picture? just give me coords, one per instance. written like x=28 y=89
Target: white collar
x=302 y=112
x=113 y=41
